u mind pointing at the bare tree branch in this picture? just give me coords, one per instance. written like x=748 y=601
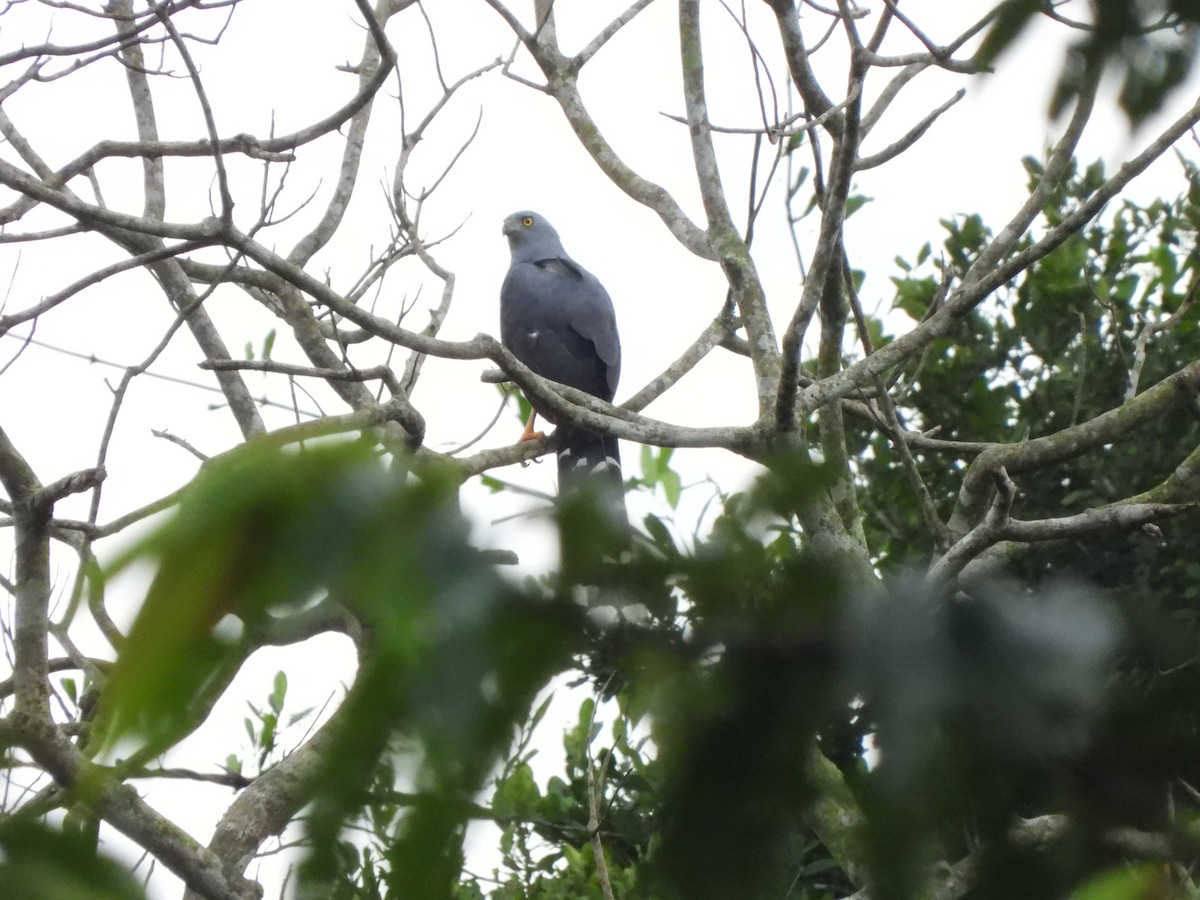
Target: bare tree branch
x=732 y=252
x=562 y=85
x=982 y=280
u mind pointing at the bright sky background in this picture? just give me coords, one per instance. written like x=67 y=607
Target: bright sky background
x=275 y=63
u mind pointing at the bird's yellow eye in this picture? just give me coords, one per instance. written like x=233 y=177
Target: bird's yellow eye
x=527 y=221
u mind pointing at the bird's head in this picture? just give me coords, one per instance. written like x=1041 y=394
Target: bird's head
x=527 y=230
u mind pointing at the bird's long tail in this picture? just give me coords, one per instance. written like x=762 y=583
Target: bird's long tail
x=591 y=461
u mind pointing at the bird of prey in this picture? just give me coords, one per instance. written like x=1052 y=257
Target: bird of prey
x=558 y=319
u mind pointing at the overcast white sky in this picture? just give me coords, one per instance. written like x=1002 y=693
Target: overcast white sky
x=276 y=64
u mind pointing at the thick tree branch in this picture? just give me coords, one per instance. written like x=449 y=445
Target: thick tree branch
x=914 y=134
x=836 y=817
x=121 y=807
x=562 y=85
x=816 y=102
x=153 y=182
x=1117 y=424
x=732 y=252
x=826 y=259
x=597 y=43
x=998 y=526
x=971 y=293
x=575 y=406
x=711 y=337
x=267 y=806
x=1056 y=167
x=377 y=56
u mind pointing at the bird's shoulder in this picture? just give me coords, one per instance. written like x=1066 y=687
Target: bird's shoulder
x=549 y=266
x=563 y=266
x=553 y=278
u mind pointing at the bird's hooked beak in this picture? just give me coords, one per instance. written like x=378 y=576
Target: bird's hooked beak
x=511 y=228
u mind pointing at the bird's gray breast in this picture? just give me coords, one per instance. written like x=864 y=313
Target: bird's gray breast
x=558 y=320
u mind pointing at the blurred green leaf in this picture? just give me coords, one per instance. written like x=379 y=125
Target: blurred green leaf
x=855 y=202
x=40 y=863
x=1126 y=883
x=659 y=533
x=279 y=692
x=495 y=485
x=1151 y=44
x=517 y=795
x=1011 y=18
x=258 y=529
x=657 y=472
x=456 y=658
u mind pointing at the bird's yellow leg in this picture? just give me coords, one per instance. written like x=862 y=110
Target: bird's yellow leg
x=529 y=434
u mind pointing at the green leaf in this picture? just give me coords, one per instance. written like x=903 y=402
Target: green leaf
x=855 y=202
x=495 y=485
x=257 y=529
x=39 y=863
x=1010 y=21
x=672 y=487
x=649 y=464
x=517 y=796
x=914 y=295
x=457 y=658
x=657 y=471
x=279 y=692
x=659 y=533
x=540 y=712
x=266 y=735
x=1126 y=883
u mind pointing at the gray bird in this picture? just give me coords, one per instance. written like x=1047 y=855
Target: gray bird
x=558 y=319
